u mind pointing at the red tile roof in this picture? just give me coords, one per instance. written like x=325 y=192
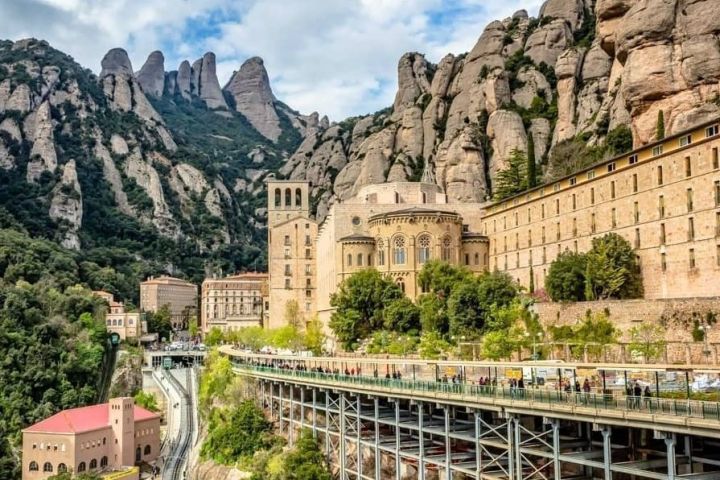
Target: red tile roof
x=83 y=419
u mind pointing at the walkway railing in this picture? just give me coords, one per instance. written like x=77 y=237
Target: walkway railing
x=649 y=405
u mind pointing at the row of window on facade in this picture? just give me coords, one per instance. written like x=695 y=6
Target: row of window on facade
x=633 y=159
x=62 y=468
x=691 y=231
x=287 y=242
x=663 y=255
x=612 y=193
x=118 y=322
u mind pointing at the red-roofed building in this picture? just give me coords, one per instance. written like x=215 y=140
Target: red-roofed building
x=101 y=438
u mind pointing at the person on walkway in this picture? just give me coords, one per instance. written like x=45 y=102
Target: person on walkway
x=637 y=393
x=521 y=388
x=647 y=395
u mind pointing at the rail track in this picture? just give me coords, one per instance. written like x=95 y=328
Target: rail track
x=176 y=461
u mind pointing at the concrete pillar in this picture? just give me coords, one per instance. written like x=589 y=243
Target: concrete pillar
x=359 y=449
x=688 y=453
x=291 y=422
x=314 y=412
x=516 y=444
x=327 y=426
x=478 y=451
x=281 y=408
x=343 y=428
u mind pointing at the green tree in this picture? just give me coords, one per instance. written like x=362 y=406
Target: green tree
x=359 y=304
x=146 y=400
x=619 y=140
x=217 y=376
x=514 y=178
x=236 y=433
x=70 y=476
x=595 y=332
x=402 y=315
x=306 y=460
x=500 y=345
x=253 y=338
x=612 y=269
x=565 y=281
x=660 y=130
x=293 y=317
x=441 y=277
x=160 y=322
x=193 y=329
x=315 y=336
x=531 y=165
x=433 y=313
x=214 y=337
x=433 y=346
x=647 y=341
x=466 y=311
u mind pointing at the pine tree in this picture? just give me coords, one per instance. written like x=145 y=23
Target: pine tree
x=661 y=125
x=531 y=166
x=513 y=179
x=531 y=288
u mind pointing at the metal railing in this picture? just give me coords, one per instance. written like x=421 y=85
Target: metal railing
x=650 y=405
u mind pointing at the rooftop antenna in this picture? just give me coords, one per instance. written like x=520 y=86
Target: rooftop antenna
x=428 y=176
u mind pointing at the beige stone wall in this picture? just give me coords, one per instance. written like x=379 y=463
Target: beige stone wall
x=675 y=314
x=632 y=201
x=127 y=325
x=180 y=296
x=40 y=448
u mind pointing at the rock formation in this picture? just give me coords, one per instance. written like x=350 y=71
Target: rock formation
x=250 y=90
x=151 y=76
x=66 y=205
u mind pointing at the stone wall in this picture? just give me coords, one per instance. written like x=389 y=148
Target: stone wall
x=676 y=315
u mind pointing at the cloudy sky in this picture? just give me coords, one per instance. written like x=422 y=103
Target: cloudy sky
x=338 y=57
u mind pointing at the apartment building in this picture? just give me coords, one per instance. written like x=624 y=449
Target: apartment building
x=180 y=296
x=233 y=302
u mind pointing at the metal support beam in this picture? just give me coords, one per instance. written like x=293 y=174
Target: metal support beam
x=510 y=446
x=302 y=408
x=378 y=463
x=518 y=454
x=343 y=427
x=670 y=444
x=557 y=466
x=291 y=423
x=607 y=451
x=478 y=450
x=281 y=408
x=397 y=440
x=314 y=412
x=448 y=447
x=688 y=452
x=421 y=438
x=327 y=427
x=359 y=438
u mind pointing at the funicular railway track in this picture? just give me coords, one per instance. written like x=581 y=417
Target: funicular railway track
x=176 y=462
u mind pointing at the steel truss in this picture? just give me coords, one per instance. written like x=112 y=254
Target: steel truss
x=359 y=431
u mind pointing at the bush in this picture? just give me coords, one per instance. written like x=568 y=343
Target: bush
x=565 y=281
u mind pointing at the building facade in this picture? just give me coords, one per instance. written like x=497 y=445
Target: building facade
x=664 y=198
x=396 y=228
x=99 y=438
x=292 y=238
x=180 y=296
x=233 y=302
x=128 y=325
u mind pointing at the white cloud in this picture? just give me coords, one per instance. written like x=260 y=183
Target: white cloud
x=338 y=57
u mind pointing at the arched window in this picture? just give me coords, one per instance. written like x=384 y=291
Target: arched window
x=81 y=467
x=424 y=197
x=401 y=284
x=381 y=252
x=477 y=259
x=349 y=260
x=138 y=454
x=298 y=197
x=103 y=462
x=93 y=464
x=47 y=467
x=446 y=249
x=147 y=450
x=359 y=260
x=62 y=468
x=278 y=198
x=33 y=467
x=288 y=197
x=423 y=248
x=399 y=250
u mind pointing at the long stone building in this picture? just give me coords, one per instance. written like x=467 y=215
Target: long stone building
x=180 y=296
x=664 y=198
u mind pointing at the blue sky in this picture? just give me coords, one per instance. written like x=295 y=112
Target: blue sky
x=337 y=57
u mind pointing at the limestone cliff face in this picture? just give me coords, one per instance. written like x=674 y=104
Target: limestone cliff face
x=66 y=206
x=555 y=77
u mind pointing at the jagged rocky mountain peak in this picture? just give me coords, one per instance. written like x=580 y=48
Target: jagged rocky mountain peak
x=116 y=62
x=151 y=76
